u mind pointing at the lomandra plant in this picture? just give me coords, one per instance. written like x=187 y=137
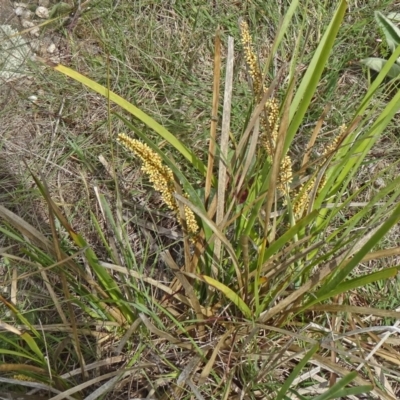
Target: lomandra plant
x=260 y=307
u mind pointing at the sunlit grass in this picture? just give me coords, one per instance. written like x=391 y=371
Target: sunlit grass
x=248 y=308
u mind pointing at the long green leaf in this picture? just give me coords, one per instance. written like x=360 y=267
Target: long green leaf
x=296 y=372
x=311 y=79
x=352 y=284
x=352 y=391
x=286 y=237
x=285 y=24
x=365 y=103
x=18 y=354
x=139 y=114
x=33 y=345
x=336 y=391
x=377 y=65
x=391 y=31
x=393 y=219
x=107 y=282
x=369 y=209
x=365 y=141
x=19 y=315
x=227 y=292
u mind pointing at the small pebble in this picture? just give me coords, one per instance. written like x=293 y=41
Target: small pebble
x=28 y=24
x=42 y=12
x=19 y=11
x=27 y=14
x=32 y=98
x=51 y=49
x=379 y=183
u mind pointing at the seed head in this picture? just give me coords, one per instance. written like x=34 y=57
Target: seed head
x=333 y=144
x=270 y=117
x=251 y=59
x=285 y=175
x=160 y=176
x=270 y=125
x=303 y=198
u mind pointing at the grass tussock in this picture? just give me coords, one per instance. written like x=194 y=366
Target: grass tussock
x=252 y=255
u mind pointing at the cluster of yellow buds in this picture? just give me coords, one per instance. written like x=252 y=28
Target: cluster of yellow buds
x=270 y=125
x=25 y=378
x=160 y=176
x=303 y=192
x=334 y=143
x=251 y=60
x=270 y=117
x=303 y=198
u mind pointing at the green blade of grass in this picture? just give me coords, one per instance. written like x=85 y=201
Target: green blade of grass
x=352 y=284
x=19 y=354
x=391 y=31
x=139 y=114
x=296 y=372
x=311 y=79
x=107 y=282
x=357 y=151
x=33 y=346
x=344 y=393
x=335 y=391
x=227 y=292
x=18 y=315
x=285 y=24
x=393 y=219
x=377 y=82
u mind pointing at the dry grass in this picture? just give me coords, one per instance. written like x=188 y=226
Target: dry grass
x=160 y=57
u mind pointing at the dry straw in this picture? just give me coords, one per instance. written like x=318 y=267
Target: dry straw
x=160 y=176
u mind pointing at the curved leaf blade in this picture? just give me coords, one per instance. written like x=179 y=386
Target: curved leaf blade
x=229 y=293
x=390 y=30
x=377 y=64
x=139 y=114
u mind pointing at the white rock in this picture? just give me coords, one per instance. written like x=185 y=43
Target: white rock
x=28 y=24
x=14 y=52
x=52 y=48
x=33 y=98
x=55 y=59
x=19 y=11
x=379 y=183
x=42 y=12
x=27 y=14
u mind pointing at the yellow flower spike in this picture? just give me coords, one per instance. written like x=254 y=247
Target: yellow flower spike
x=251 y=59
x=270 y=117
x=160 y=176
x=303 y=199
x=333 y=144
x=270 y=125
